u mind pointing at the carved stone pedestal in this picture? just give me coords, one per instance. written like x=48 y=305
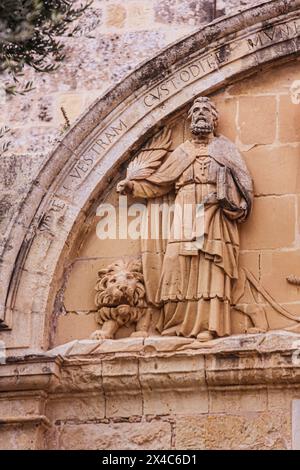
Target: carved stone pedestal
x=154 y=393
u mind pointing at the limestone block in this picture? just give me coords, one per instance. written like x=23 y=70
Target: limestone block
x=179 y=127
x=227 y=111
x=21 y=437
x=267 y=228
x=21 y=404
x=120 y=345
x=256 y=431
x=280 y=399
x=62 y=349
x=189 y=433
x=21 y=333
x=130 y=436
x=34 y=283
x=28 y=376
x=255 y=126
x=80 y=379
x=274 y=170
x=173 y=385
x=239 y=401
x=83 y=274
x=121 y=386
x=83 y=347
x=42 y=254
x=240 y=322
x=278 y=340
x=84 y=271
x=269 y=367
x=73 y=326
x=81 y=407
x=250 y=261
x=298 y=212
x=296 y=424
x=275 y=268
x=155 y=344
x=277 y=80
x=289 y=120
x=166 y=401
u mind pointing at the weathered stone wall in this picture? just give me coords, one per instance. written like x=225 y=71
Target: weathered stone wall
x=157 y=393
x=63 y=198
x=114 y=37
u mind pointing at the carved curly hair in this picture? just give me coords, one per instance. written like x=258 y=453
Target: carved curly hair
x=135 y=296
x=207 y=100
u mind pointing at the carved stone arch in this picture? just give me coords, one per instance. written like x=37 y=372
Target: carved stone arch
x=81 y=167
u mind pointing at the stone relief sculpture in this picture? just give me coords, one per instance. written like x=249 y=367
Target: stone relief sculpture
x=262 y=310
x=121 y=299
x=192 y=280
x=195 y=286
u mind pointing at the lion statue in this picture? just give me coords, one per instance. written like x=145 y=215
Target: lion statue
x=121 y=299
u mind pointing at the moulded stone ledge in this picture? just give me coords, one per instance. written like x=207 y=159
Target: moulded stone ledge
x=269 y=358
x=78 y=382
x=33 y=419
x=271 y=341
x=30 y=373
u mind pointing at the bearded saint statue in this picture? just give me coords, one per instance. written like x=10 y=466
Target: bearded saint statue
x=193 y=283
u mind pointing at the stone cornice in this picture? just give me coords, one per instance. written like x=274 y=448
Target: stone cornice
x=265 y=360
x=29 y=420
x=29 y=373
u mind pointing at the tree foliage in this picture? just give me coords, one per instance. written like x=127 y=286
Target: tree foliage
x=30 y=35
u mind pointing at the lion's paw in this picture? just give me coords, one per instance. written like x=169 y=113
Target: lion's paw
x=99 y=334
x=139 y=334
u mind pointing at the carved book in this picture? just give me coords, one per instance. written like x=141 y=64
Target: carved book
x=224 y=192
x=222 y=185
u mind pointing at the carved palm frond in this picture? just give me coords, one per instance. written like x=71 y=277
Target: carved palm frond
x=294 y=280
x=151 y=156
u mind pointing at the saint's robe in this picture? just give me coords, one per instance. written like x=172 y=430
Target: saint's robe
x=192 y=283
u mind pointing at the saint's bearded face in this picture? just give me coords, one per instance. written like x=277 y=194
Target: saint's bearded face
x=202 y=120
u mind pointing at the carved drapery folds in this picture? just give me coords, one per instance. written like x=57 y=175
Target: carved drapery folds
x=199 y=283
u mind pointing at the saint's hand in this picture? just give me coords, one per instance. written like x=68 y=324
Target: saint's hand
x=243 y=205
x=125 y=187
x=210 y=198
